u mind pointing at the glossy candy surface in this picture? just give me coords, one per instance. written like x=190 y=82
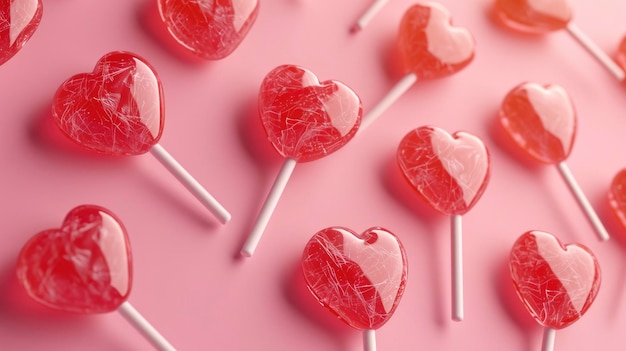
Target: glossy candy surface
x=306 y=119
x=534 y=16
x=360 y=278
x=557 y=283
x=211 y=29
x=429 y=45
x=117 y=109
x=541 y=120
x=84 y=266
x=18 y=21
x=450 y=172
x=620 y=56
x=617 y=198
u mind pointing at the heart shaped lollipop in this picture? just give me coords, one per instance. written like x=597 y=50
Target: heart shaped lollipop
x=541 y=120
x=534 y=16
x=450 y=172
x=84 y=266
x=620 y=56
x=429 y=45
x=19 y=20
x=117 y=109
x=306 y=119
x=617 y=197
x=557 y=283
x=359 y=278
x=208 y=28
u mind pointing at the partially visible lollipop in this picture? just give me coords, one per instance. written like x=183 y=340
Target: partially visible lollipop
x=541 y=120
x=358 y=277
x=118 y=110
x=210 y=29
x=85 y=267
x=430 y=47
x=617 y=199
x=544 y=16
x=18 y=21
x=620 y=56
x=557 y=283
x=305 y=120
x=368 y=15
x=450 y=172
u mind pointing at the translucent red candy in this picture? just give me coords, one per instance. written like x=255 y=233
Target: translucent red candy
x=84 y=266
x=617 y=197
x=556 y=283
x=211 y=29
x=306 y=119
x=360 y=278
x=429 y=46
x=534 y=16
x=117 y=109
x=450 y=172
x=18 y=21
x=541 y=120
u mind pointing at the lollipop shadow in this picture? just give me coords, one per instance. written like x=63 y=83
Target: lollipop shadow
x=299 y=296
x=150 y=19
x=396 y=184
x=513 y=306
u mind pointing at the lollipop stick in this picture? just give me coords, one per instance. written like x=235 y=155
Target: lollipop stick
x=547 y=343
x=369 y=340
x=268 y=207
x=584 y=204
x=457 y=267
x=368 y=15
x=190 y=183
x=144 y=327
x=400 y=88
x=595 y=51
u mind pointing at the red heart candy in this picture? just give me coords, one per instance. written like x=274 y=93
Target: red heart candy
x=306 y=119
x=18 y=21
x=534 y=16
x=541 y=120
x=556 y=283
x=450 y=172
x=429 y=46
x=360 y=278
x=617 y=197
x=210 y=29
x=83 y=267
x=116 y=110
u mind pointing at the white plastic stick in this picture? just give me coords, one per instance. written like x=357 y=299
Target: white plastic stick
x=144 y=327
x=369 y=340
x=547 y=344
x=190 y=183
x=584 y=204
x=268 y=207
x=457 y=267
x=367 y=16
x=596 y=52
x=396 y=91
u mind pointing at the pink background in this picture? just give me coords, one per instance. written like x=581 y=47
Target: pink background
x=188 y=281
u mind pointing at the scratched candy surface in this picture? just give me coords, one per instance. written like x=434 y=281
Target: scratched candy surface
x=84 y=266
x=557 y=283
x=306 y=119
x=117 y=109
x=18 y=21
x=359 y=278
x=534 y=16
x=450 y=172
x=211 y=29
x=429 y=45
x=541 y=120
